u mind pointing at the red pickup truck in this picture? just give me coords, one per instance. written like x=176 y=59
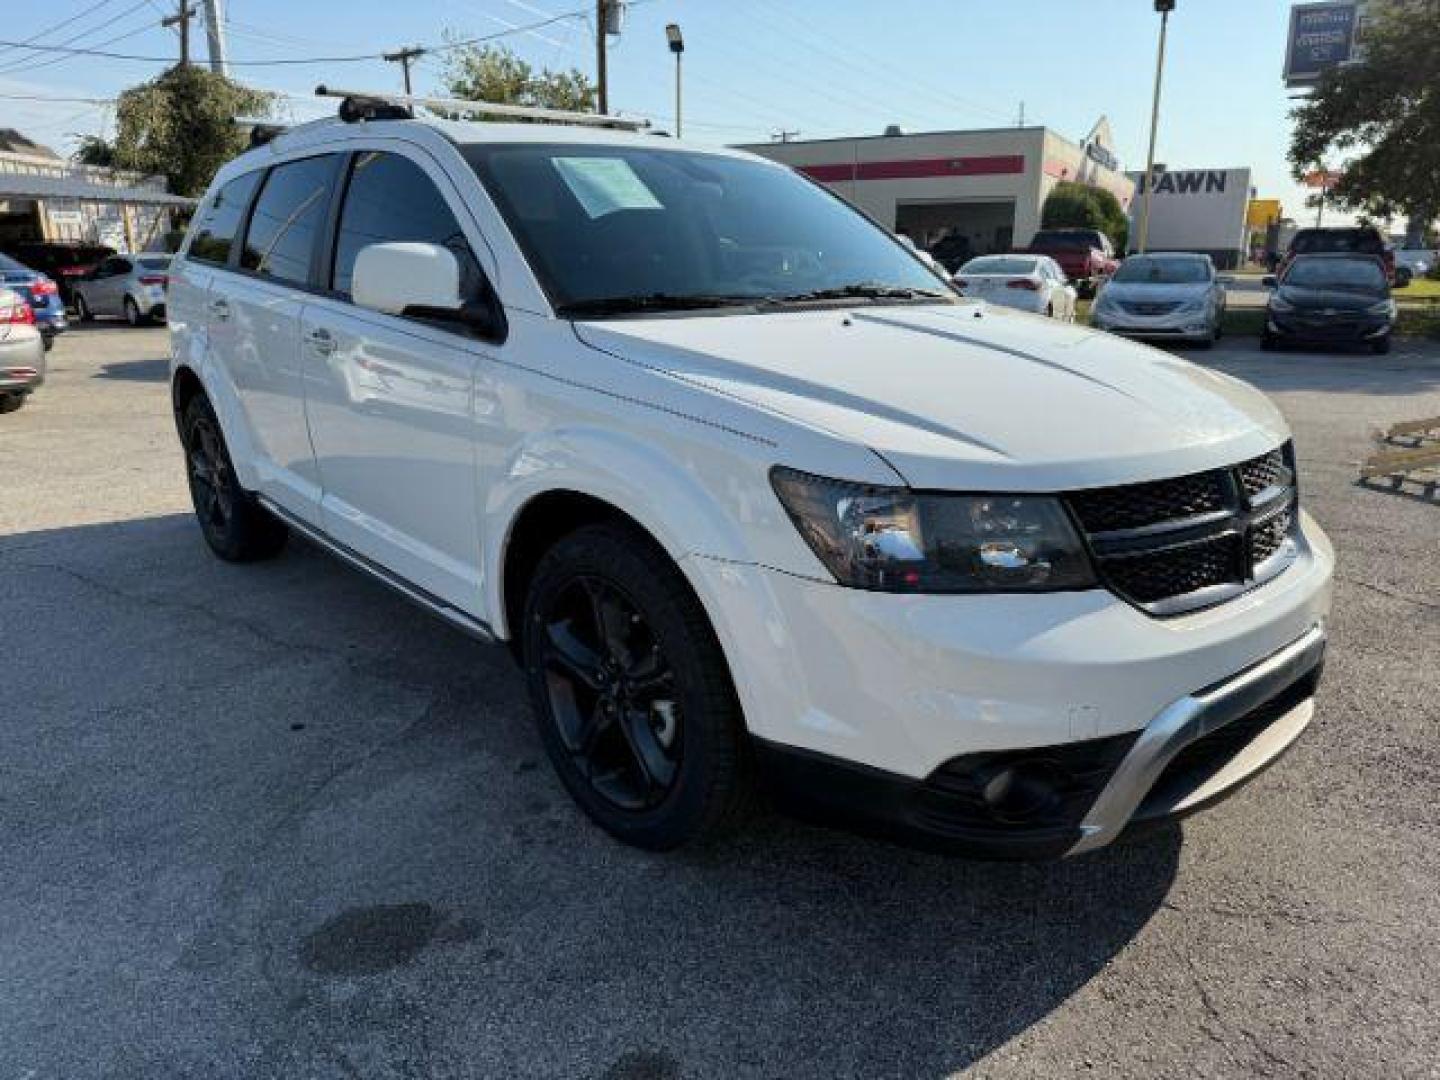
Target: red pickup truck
x=1086 y=255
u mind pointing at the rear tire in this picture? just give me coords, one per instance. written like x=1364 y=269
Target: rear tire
x=631 y=692
x=82 y=310
x=234 y=524
x=132 y=313
x=11 y=402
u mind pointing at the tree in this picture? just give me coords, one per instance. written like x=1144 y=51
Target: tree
x=1079 y=206
x=181 y=124
x=1387 y=108
x=94 y=150
x=494 y=73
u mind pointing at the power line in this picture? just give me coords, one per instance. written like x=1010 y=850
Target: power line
x=46 y=97
x=27 y=63
x=448 y=46
x=63 y=23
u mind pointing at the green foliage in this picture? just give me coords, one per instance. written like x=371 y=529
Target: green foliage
x=180 y=124
x=94 y=150
x=494 y=73
x=1387 y=110
x=1079 y=206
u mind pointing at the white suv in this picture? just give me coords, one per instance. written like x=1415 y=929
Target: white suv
x=758 y=501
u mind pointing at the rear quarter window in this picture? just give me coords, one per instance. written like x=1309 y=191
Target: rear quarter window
x=219 y=220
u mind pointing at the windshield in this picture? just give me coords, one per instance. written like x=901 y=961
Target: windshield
x=1159 y=271
x=602 y=225
x=1360 y=274
x=999 y=264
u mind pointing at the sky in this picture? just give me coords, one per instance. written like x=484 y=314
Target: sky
x=751 y=67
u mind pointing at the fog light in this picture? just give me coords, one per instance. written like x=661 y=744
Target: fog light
x=1023 y=791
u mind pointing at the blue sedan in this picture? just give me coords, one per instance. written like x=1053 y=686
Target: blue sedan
x=39 y=292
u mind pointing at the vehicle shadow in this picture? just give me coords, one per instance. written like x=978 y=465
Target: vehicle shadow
x=319 y=822
x=156 y=369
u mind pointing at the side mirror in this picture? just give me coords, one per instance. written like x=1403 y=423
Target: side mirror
x=420 y=281
x=1225 y=279
x=1270 y=281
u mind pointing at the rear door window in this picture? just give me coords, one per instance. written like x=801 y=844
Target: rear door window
x=288 y=216
x=220 y=220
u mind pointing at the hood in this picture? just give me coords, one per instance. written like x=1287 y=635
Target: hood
x=1333 y=299
x=965 y=396
x=1149 y=293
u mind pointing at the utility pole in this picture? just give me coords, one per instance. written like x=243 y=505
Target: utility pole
x=1164 y=7
x=215 y=36
x=1022 y=115
x=403 y=58
x=602 y=22
x=182 y=18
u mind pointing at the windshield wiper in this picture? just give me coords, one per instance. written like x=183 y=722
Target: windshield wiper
x=863 y=290
x=625 y=305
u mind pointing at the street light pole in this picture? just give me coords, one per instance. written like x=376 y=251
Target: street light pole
x=677 y=46
x=1164 y=7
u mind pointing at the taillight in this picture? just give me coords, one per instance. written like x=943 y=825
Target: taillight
x=17 y=312
x=154 y=279
x=1028 y=284
x=44 y=287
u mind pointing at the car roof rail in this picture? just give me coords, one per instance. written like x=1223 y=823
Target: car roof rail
x=369 y=105
x=262 y=131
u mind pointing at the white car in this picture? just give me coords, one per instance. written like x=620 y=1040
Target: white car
x=754 y=499
x=131 y=287
x=1418 y=261
x=22 y=351
x=1033 y=283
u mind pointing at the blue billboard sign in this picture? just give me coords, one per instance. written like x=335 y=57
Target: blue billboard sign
x=1322 y=36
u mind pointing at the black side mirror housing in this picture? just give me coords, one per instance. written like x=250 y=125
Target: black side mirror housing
x=1270 y=281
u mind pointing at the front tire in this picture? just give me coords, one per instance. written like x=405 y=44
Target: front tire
x=234 y=524
x=1382 y=346
x=11 y=402
x=631 y=691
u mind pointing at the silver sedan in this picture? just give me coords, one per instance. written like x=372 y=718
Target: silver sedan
x=1176 y=297
x=130 y=286
x=22 y=351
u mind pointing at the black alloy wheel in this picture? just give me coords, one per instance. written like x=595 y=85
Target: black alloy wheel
x=234 y=524
x=631 y=691
x=612 y=693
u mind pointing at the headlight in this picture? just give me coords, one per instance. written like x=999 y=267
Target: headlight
x=1281 y=305
x=1385 y=307
x=892 y=539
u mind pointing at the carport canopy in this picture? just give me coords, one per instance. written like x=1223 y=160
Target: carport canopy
x=20 y=186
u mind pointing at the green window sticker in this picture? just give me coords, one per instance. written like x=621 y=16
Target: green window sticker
x=604 y=185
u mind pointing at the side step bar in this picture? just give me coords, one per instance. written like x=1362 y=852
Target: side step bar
x=416 y=595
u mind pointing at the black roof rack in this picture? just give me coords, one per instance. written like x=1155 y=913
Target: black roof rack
x=357 y=107
x=368 y=105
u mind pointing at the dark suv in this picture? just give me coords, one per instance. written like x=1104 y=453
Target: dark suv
x=1360 y=240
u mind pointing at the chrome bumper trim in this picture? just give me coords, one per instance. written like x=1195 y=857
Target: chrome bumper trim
x=1194 y=716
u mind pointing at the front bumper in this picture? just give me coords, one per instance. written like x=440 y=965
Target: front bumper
x=1342 y=329
x=1202 y=748
x=1178 y=326
x=899 y=688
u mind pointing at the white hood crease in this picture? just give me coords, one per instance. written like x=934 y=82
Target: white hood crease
x=965 y=396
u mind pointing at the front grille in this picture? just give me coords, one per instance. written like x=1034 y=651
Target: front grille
x=1151 y=307
x=1177 y=545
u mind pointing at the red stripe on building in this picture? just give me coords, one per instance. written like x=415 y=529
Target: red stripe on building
x=922 y=169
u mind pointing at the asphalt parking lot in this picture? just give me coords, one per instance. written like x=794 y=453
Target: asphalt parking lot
x=270 y=821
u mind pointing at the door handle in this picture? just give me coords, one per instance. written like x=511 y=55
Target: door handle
x=220 y=309
x=321 y=341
